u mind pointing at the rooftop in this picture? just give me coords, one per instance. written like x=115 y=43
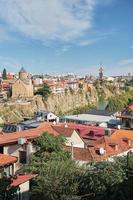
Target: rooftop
x=7 y=159
x=90 y=118
x=110 y=148
x=122 y=134
x=100 y=112
x=22 y=179
x=66 y=131
x=27 y=134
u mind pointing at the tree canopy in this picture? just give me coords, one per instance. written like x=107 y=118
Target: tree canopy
x=60 y=177
x=120 y=101
x=4 y=74
x=45 y=91
x=7 y=192
x=57 y=173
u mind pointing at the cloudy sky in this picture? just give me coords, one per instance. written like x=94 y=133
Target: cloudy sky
x=63 y=36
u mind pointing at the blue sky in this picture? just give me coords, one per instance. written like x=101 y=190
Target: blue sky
x=59 y=36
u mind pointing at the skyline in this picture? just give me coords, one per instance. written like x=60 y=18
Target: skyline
x=65 y=37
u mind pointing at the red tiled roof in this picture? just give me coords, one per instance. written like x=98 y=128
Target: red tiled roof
x=22 y=179
x=28 y=134
x=48 y=127
x=85 y=129
x=67 y=132
x=81 y=154
x=107 y=143
x=88 y=132
x=122 y=133
x=7 y=159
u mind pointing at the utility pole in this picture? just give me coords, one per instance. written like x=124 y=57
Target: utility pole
x=72 y=150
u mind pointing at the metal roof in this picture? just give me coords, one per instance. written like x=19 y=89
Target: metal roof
x=100 y=112
x=90 y=118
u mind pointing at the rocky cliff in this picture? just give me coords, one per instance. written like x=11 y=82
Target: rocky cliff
x=63 y=103
x=59 y=104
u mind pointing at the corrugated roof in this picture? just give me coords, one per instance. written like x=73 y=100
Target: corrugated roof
x=100 y=112
x=89 y=118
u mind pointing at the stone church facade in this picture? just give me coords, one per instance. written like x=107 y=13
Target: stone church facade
x=23 y=87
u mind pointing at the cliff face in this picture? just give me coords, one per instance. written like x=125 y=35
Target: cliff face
x=59 y=104
x=63 y=103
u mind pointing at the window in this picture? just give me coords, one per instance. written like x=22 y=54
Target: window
x=1 y=150
x=22 y=157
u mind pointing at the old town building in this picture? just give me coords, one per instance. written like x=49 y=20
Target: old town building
x=23 y=86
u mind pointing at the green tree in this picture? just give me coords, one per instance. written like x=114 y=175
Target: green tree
x=57 y=173
x=56 y=180
x=45 y=91
x=48 y=148
x=7 y=192
x=120 y=101
x=61 y=178
x=101 y=178
x=4 y=74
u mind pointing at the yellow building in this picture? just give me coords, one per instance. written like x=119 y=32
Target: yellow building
x=23 y=86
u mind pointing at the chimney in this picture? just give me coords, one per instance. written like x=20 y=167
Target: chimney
x=114 y=146
x=91 y=133
x=128 y=141
x=66 y=125
x=107 y=132
x=18 y=128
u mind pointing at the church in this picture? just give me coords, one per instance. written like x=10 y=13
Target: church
x=23 y=87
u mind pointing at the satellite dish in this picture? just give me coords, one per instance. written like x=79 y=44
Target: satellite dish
x=101 y=150
x=119 y=127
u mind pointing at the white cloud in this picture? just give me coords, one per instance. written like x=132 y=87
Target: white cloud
x=62 y=20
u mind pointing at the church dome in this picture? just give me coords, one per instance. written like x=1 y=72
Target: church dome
x=22 y=70
x=23 y=74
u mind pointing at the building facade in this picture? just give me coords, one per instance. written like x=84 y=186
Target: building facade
x=23 y=87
